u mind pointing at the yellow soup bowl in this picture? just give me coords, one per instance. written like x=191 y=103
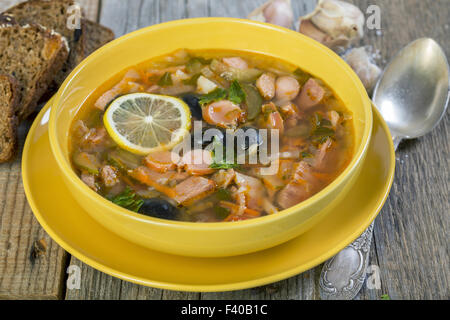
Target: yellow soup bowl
x=222 y=238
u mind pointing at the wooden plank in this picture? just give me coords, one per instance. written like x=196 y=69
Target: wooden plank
x=126 y=16
x=410 y=245
x=90 y=8
x=410 y=233
x=6 y=4
x=20 y=275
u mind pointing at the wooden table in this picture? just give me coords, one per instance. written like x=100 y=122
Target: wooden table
x=410 y=235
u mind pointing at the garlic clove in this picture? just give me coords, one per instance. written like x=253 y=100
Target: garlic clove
x=309 y=29
x=340 y=21
x=277 y=12
x=362 y=63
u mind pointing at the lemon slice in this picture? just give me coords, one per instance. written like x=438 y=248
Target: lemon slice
x=143 y=123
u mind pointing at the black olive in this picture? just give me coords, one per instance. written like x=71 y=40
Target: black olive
x=159 y=208
x=193 y=102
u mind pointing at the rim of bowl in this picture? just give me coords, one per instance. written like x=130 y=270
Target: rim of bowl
x=67 y=170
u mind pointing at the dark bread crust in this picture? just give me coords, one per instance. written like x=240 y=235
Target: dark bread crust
x=53 y=15
x=96 y=36
x=9 y=102
x=33 y=56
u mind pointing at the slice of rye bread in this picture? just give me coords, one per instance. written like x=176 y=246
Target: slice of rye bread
x=9 y=101
x=96 y=36
x=54 y=15
x=32 y=55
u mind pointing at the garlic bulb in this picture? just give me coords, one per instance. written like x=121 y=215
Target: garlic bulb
x=336 y=24
x=277 y=12
x=360 y=61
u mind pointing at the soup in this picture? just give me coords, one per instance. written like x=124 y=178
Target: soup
x=211 y=136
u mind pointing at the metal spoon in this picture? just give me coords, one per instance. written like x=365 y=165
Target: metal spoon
x=412 y=95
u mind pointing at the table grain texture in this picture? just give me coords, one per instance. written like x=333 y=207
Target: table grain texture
x=410 y=236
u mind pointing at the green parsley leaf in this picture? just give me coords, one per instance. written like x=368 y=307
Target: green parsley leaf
x=128 y=200
x=235 y=93
x=216 y=95
x=321 y=134
x=323 y=131
x=320 y=131
x=224 y=165
x=165 y=80
x=221 y=163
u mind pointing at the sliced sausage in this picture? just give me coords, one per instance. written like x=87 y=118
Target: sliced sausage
x=286 y=88
x=266 y=85
x=311 y=95
x=235 y=62
x=197 y=162
x=222 y=113
x=162 y=161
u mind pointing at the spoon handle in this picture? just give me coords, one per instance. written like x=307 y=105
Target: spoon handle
x=343 y=276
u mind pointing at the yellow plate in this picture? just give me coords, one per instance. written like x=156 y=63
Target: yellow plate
x=73 y=229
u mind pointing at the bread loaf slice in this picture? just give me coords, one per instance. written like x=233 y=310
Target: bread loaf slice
x=96 y=36
x=54 y=15
x=9 y=101
x=32 y=55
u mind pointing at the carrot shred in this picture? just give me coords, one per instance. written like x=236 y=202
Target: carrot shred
x=232 y=206
x=142 y=177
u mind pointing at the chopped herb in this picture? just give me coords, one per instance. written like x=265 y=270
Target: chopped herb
x=192 y=80
x=385 y=297
x=319 y=121
x=321 y=134
x=221 y=213
x=323 y=131
x=224 y=165
x=235 y=93
x=165 y=80
x=223 y=194
x=128 y=200
x=221 y=163
x=216 y=95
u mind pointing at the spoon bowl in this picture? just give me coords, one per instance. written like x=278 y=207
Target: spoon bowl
x=413 y=92
x=412 y=96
